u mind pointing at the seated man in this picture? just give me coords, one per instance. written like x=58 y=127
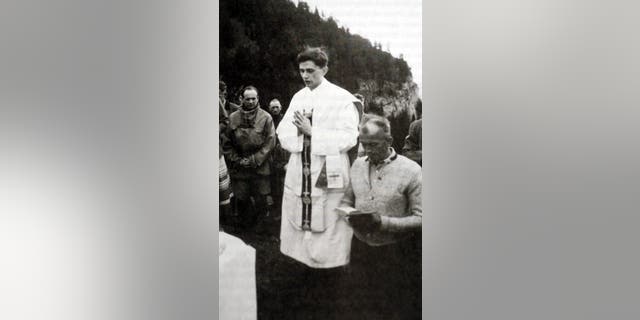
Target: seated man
x=385 y=251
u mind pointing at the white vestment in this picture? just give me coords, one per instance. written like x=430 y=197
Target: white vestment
x=334 y=132
x=237 y=276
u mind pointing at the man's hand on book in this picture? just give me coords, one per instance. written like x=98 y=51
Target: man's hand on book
x=365 y=222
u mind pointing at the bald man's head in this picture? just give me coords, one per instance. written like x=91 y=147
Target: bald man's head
x=375 y=137
x=275 y=107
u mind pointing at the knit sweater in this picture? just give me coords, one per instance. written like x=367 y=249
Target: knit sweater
x=393 y=189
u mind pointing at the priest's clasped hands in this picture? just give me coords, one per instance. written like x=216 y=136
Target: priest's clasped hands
x=302 y=122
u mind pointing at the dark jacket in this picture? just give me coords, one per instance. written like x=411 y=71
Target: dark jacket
x=230 y=107
x=279 y=156
x=413 y=143
x=252 y=136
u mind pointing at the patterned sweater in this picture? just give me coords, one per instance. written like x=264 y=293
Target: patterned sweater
x=394 y=190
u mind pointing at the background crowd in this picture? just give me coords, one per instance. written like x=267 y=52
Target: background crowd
x=295 y=152
x=302 y=171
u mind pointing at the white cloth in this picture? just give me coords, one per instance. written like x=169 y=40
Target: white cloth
x=237 y=286
x=334 y=132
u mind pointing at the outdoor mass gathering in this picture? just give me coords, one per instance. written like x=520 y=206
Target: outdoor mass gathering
x=119 y=177
x=320 y=189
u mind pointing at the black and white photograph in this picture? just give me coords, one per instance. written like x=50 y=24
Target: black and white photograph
x=320 y=159
x=263 y=159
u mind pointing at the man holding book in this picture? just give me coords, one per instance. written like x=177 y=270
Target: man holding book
x=385 y=192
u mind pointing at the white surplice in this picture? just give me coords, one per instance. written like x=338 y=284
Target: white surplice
x=237 y=279
x=334 y=132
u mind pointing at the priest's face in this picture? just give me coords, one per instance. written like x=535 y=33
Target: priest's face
x=312 y=74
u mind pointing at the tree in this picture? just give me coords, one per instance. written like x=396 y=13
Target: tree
x=261 y=38
x=302 y=5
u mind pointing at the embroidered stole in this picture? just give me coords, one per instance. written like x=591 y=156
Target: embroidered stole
x=306 y=183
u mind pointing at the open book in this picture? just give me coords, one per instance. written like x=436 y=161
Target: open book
x=349 y=211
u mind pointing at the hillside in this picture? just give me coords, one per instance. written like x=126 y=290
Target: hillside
x=259 y=41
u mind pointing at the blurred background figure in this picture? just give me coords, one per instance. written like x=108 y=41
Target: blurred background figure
x=413 y=143
x=360 y=106
x=228 y=106
x=225 y=193
x=279 y=159
x=275 y=110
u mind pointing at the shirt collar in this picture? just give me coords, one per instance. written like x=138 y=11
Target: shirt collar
x=392 y=156
x=320 y=86
x=249 y=116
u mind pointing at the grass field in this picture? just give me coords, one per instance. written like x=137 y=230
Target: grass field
x=274 y=272
x=276 y=277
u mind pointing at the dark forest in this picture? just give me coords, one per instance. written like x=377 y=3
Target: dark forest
x=259 y=41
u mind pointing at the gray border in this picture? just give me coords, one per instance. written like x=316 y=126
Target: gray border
x=216 y=67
